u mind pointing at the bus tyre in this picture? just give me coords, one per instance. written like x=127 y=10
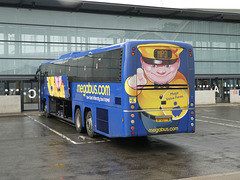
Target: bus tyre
x=89 y=125
x=78 y=121
x=46 y=114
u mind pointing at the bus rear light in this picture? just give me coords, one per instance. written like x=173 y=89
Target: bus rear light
x=133 y=48
x=191 y=104
x=190 y=55
x=132 y=128
x=192 y=118
x=189 y=50
x=132 y=133
x=132 y=106
x=132 y=115
x=192 y=124
x=193 y=129
x=133 y=53
x=192 y=112
x=132 y=121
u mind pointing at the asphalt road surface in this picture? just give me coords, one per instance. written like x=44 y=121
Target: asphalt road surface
x=34 y=147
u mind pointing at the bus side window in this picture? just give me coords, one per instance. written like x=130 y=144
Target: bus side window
x=85 y=69
x=108 y=66
x=72 y=69
x=50 y=69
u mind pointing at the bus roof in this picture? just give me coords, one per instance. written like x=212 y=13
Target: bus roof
x=107 y=48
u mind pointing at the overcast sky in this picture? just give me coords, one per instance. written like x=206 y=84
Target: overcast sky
x=206 y=4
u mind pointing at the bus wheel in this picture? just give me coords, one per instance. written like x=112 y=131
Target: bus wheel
x=89 y=124
x=78 y=120
x=46 y=114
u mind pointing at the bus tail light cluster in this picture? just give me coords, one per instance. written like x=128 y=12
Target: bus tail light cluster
x=133 y=49
x=190 y=52
x=132 y=123
x=192 y=115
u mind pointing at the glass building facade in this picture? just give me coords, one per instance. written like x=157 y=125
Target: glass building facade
x=30 y=37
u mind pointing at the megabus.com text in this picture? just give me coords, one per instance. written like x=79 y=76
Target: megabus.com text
x=93 y=89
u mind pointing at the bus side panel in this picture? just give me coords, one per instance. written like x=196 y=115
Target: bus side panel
x=115 y=122
x=105 y=102
x=106 y=120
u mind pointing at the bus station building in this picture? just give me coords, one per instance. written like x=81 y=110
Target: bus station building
x=34 y=32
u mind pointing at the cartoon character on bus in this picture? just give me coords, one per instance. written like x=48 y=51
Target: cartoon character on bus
x=157 y=87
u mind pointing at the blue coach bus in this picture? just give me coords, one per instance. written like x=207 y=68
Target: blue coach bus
x=136 y=88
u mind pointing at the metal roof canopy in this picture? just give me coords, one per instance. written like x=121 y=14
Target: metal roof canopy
x=122 y=9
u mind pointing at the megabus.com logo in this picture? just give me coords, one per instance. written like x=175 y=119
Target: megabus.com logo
x=93 y=89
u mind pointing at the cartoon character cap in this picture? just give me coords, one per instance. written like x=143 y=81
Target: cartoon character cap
x=160 y=53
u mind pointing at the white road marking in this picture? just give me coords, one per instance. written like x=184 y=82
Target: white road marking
x=228 y=120
x=65 y=137
x=222 y=124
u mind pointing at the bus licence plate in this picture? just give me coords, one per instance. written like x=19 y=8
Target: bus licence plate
x=163 y=120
